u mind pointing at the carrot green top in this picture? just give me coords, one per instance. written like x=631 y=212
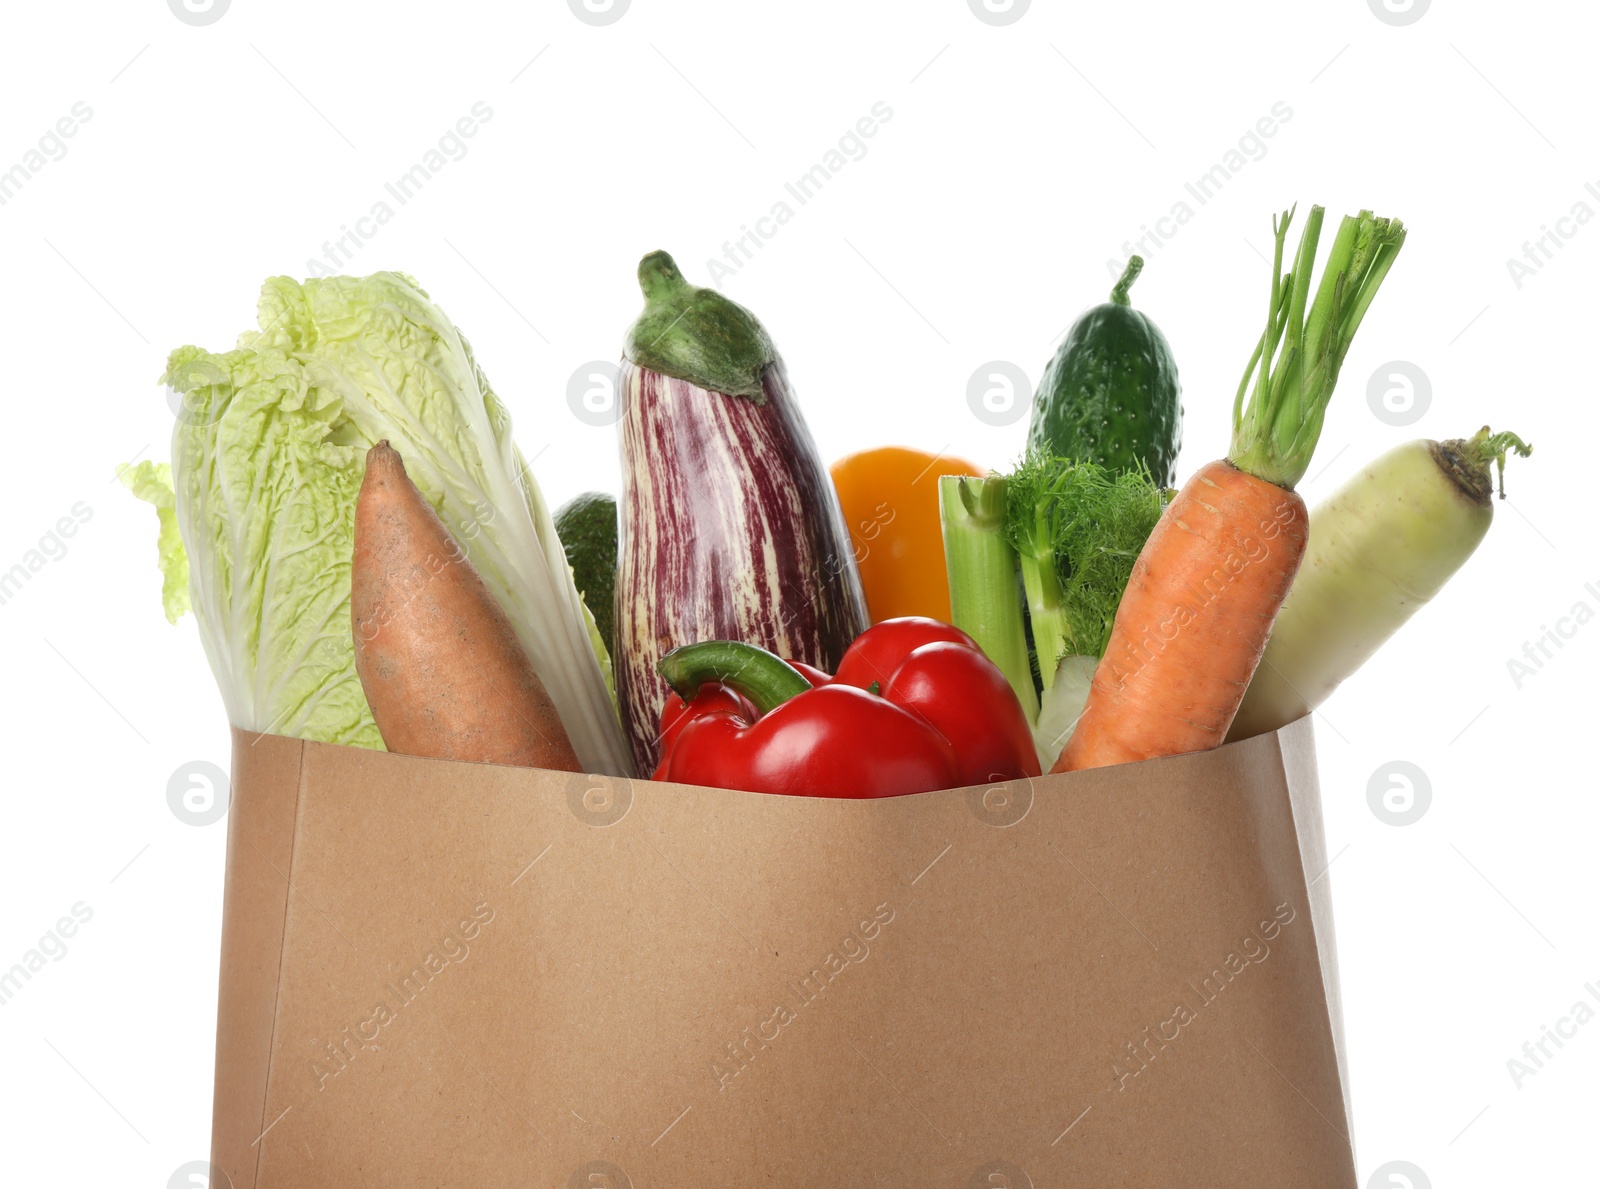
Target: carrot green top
x=1301 y=351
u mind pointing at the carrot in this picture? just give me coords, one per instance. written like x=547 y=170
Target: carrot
x=1189 y=631
x=1200 y=604
x=440 y=663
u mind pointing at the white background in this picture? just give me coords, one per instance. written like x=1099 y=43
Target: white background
x=975 y=228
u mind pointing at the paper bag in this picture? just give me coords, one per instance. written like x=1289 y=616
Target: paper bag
x=446 y=974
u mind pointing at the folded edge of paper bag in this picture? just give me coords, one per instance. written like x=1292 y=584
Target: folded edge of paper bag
x=1297 y=746
x=261 y=830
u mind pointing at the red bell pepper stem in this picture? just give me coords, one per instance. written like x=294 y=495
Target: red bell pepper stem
x=764 y=678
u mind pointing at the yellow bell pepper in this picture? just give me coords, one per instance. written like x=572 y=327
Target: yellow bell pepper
x=890 y=498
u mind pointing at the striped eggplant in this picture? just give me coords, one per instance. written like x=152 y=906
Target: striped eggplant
x=731 y=529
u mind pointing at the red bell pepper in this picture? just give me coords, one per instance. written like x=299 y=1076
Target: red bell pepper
x=915 y=706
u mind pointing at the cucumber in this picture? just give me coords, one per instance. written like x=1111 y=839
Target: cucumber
x=587 y=526
x=1110 y=393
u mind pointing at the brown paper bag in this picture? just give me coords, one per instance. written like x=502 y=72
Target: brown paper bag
x=444 y=974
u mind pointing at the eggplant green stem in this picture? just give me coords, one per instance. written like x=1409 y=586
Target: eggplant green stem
x=1130 y=274
x=765 y=678
x=697 y=334
x=1300 y=352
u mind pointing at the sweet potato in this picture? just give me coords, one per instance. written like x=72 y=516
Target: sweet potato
x=441 y=665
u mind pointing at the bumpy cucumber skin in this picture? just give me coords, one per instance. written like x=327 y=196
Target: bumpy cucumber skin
x=587 y=526
x=1111 y=395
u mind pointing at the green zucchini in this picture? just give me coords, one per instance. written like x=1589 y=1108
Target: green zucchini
x=1110 y=393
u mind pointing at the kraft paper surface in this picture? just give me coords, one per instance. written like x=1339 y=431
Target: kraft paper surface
x=443 y=974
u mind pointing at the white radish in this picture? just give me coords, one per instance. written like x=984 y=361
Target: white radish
x=1380 y=547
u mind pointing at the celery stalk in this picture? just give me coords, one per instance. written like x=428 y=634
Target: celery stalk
x=1041 y=582
x=982 y=567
